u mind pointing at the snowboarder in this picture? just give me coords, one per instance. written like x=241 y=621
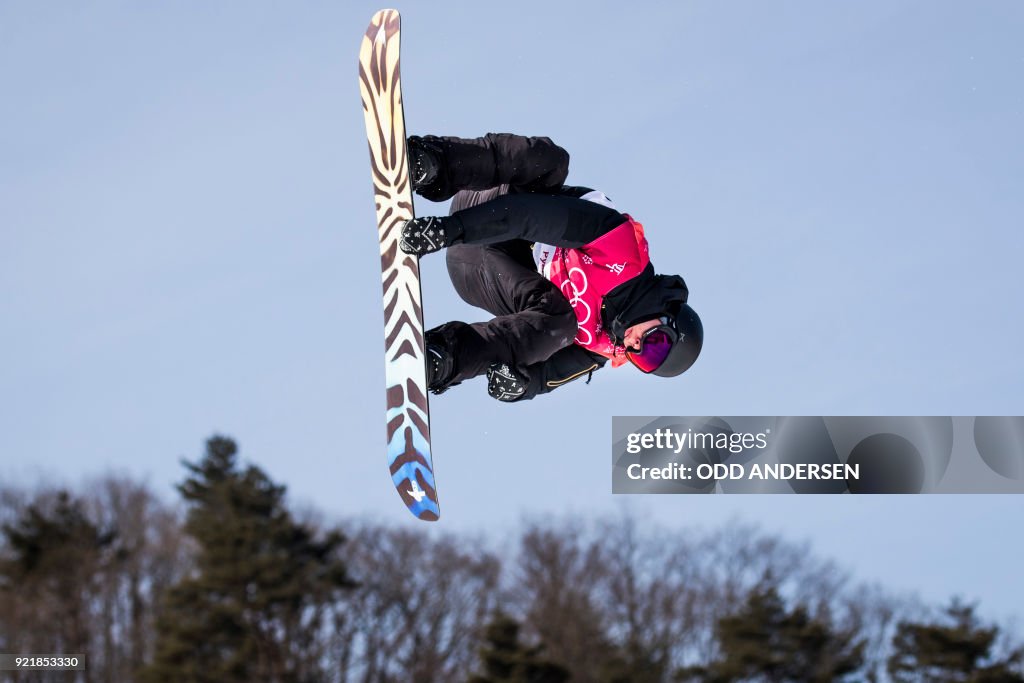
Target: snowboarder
x=567 y=276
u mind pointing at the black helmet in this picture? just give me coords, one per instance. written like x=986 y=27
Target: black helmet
x=689 y=341
x=674 y=344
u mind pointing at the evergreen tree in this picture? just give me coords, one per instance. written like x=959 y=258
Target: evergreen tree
x=506 y=660
x=54 y=556
x=257 y=599
x=629 y=664
x=766 y=642
x=960 y=650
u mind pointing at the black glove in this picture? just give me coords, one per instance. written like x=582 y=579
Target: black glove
x=425 y=235
x=504 y=383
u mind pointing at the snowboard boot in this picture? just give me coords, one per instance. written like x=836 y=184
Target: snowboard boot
x=440 y=368
x=424 y=163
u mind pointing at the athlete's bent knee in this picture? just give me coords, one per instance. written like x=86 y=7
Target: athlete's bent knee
x=563 y=320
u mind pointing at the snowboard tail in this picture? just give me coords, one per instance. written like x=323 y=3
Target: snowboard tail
x=408 y=408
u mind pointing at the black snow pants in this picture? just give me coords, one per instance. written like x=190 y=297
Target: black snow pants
x=532 y=319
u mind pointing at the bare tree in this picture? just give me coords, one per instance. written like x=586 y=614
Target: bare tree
x=874 y=614
x=652 y=598
x=419 y=611
x=151 y=553
x=553 y=589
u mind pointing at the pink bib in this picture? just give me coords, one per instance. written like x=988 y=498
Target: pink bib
x=585 y=274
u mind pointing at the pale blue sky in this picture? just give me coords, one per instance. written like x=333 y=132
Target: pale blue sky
x=187 y=245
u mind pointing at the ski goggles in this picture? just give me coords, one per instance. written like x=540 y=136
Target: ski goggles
x=655 y=345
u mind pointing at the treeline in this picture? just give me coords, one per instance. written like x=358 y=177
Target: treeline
x=233 y=586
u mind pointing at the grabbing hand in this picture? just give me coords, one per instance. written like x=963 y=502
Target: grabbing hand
x=504 y=383
x=424 y=235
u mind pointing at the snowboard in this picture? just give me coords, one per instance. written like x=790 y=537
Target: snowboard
x=408 y=410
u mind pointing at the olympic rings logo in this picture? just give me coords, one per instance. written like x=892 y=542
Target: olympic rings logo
x=577 y=288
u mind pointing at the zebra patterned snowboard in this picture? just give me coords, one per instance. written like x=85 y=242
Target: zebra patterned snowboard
x=408 y=412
